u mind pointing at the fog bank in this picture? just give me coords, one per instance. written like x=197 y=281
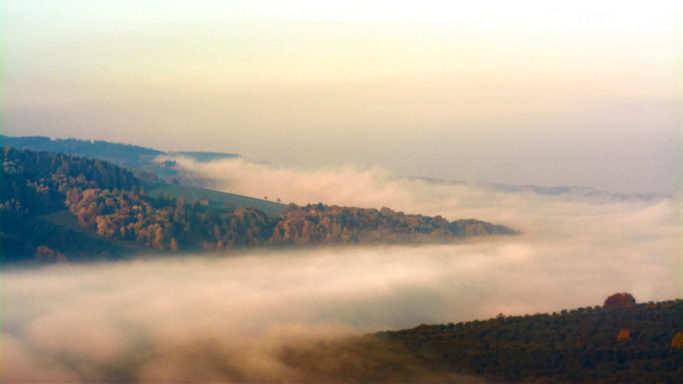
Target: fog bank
x=227 y=317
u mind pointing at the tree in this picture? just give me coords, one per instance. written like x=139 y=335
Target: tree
x=174 y=245
x=622 y=299
x=624 y=335
x=677 y=341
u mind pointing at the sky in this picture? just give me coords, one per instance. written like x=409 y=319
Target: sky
x=525 y=92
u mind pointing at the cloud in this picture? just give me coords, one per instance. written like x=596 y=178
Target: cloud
x=229 y=317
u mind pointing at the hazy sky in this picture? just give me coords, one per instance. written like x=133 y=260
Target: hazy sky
x=518 y=92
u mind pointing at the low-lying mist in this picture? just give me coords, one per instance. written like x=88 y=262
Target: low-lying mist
x=376 y=187
x=227 y=317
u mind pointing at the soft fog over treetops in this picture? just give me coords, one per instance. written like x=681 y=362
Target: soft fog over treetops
x=57 y=206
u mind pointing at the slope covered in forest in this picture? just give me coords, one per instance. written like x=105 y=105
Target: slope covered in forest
x=125 y=155
x=640 y=343
x=158 y=177
x=43 y=191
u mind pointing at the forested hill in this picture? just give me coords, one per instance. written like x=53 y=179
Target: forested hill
x=57 y=207
x=126 y=155
x=638 y=343
x=635 y=344
x=130 y=156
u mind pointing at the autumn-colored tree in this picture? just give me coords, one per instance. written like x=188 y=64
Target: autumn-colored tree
x=624 y=335
x=46 y=254
x=622 y=299
x=174 y=245
x=677 y=341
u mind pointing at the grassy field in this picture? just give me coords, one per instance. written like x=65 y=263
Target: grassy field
x=216 y=198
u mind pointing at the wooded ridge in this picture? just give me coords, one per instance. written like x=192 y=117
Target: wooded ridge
x=42 y=191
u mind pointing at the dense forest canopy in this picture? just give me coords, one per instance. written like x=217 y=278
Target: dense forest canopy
x=640 y=343
x=111 y=202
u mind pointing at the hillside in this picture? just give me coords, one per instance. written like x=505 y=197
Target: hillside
x=641 y=343
x=214 y=199
x=32 y=198
x=171 y=183
x=125 y=155
x=43 y=193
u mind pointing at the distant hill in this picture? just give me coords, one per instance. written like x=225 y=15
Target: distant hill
x=44 y=193
x=125 y=155
x=642 y=343
x=558 y=190
x=143 y=159
x=206 y=156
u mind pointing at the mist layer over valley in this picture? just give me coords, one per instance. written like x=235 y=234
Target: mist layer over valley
x=227 y=317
